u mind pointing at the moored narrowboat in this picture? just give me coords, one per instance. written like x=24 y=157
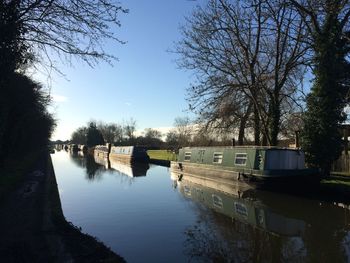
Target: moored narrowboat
x=253 y=164
x=129 y=154
x=101 y=151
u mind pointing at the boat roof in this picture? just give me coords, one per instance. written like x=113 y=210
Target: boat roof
x=244 y=147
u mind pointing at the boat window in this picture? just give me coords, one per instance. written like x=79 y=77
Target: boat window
x=187 y=156
x=217 y=201
x=241 y=209
x=241 y=159
x=217 y=158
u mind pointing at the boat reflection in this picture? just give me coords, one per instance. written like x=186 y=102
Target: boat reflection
x=96 y=164
x=240 y=224
x=102 y=160
x=131 y=170
x=232 y=201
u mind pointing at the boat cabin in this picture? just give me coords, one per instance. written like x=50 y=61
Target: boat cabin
x=245 y=157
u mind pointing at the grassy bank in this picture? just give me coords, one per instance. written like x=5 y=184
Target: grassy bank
x=336 y=185
x=162 y=155
x=13 y=171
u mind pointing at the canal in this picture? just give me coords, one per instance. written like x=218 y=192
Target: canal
x=145 y=215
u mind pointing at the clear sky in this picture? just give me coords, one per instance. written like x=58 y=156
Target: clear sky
x=145 y=84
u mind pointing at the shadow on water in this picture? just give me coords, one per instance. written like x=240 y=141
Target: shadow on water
x=247 y=225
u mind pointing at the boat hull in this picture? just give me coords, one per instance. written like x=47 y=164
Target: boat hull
x=259 y=179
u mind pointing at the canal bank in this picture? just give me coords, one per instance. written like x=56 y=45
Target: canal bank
x=33 y=227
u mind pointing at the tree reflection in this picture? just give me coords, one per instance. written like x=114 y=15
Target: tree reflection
x=218 y=238
x=263 y=227
x=93 y=170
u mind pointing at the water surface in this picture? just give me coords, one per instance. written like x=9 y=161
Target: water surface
x=146 y=215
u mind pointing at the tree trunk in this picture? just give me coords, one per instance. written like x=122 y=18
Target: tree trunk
x=275 y=121
x=256 y=126
x=242 y=125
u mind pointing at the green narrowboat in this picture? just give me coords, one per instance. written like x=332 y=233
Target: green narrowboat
x=253 y=164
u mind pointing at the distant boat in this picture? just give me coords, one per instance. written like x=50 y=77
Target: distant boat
x=129 y=154
x=253 y=164
x=101 y=151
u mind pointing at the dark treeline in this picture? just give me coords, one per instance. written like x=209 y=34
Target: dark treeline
x=30 y=32
x=25 y=124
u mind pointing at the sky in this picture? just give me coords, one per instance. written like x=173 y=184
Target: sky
x=145 y=84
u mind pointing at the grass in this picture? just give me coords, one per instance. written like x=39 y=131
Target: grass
x=13 y=173
x=345 y=174
x=336 y=185
x=162 y=155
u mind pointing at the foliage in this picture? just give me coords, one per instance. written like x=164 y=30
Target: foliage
x=151 y=138
x=79 y=136
x=14 y=52
x=24 y=119
x=321 y=139
x=93 y=135
x=172 y=138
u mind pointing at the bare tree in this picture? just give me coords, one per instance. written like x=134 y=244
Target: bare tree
x=112 y=132
x=248 y=57
x=69 y=28
x=129 y=128
x=152 y=134
x=183 y=128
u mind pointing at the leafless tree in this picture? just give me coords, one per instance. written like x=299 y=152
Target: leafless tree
x=112 y=132
x=248 y=57
x=183 y=128
x=129 y=128
x=69 y=29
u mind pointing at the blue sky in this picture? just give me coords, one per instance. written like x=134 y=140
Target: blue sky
x=145 y=84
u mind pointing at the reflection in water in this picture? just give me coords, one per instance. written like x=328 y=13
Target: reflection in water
x=200 y=221
x=256 y=226
x=96 y=165
x=130 y=170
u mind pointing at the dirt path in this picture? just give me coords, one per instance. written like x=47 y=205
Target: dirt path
x=21 y=220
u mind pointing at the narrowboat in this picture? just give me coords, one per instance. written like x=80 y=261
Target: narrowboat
x=101 y=151
x=258 y=165
x=129 y=154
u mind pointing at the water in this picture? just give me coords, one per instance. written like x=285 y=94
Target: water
x=145 y=215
